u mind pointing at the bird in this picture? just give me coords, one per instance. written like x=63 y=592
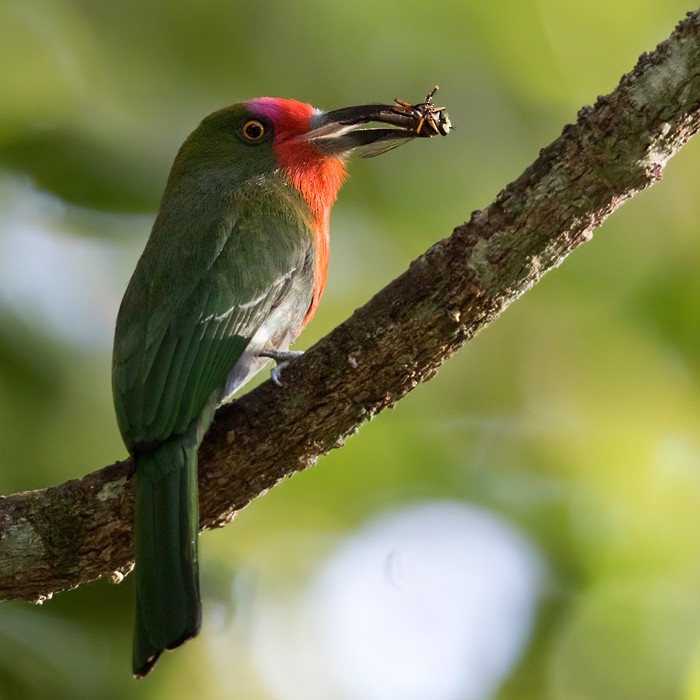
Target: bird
x=233 y=270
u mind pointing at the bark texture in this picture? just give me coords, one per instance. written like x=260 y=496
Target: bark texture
x=61 y=537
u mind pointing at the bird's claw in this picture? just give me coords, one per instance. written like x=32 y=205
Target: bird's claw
x=276 y=372
x=282 y=359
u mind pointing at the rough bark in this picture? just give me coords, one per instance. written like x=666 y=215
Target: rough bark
x=61 y=537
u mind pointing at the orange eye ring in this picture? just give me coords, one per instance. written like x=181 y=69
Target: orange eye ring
x=253 y=130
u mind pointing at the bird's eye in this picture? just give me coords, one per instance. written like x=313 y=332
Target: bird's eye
x=253 y=130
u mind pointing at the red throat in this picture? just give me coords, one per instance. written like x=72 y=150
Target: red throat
x=315 y=175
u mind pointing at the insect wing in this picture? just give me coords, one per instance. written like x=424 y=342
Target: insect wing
x=385 y=144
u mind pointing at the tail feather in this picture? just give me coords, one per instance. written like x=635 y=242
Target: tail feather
x=168 y=607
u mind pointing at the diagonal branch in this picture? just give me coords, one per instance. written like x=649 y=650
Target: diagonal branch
x=64 y=536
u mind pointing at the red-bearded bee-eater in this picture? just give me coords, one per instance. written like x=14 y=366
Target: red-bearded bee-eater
x=233 y=270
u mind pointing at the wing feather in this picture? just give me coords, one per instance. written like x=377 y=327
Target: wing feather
x=177 y=340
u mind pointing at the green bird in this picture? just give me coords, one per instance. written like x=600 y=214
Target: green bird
x=233 y=270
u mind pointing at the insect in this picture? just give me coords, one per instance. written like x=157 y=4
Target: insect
x=428 y=116
x=423 y=119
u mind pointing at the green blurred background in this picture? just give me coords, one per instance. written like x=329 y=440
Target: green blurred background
x=524 y=526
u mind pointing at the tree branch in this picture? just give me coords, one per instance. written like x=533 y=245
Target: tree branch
x=64 y=536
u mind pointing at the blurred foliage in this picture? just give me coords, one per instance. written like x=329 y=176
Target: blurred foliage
x=574 y=417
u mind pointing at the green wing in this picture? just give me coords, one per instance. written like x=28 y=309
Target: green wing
x=194 y=302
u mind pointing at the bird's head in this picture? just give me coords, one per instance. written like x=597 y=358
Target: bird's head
x=309 y=145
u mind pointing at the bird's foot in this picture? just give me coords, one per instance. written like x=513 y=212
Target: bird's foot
x=282 y=359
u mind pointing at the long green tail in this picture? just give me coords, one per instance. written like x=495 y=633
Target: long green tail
x=168 y=606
